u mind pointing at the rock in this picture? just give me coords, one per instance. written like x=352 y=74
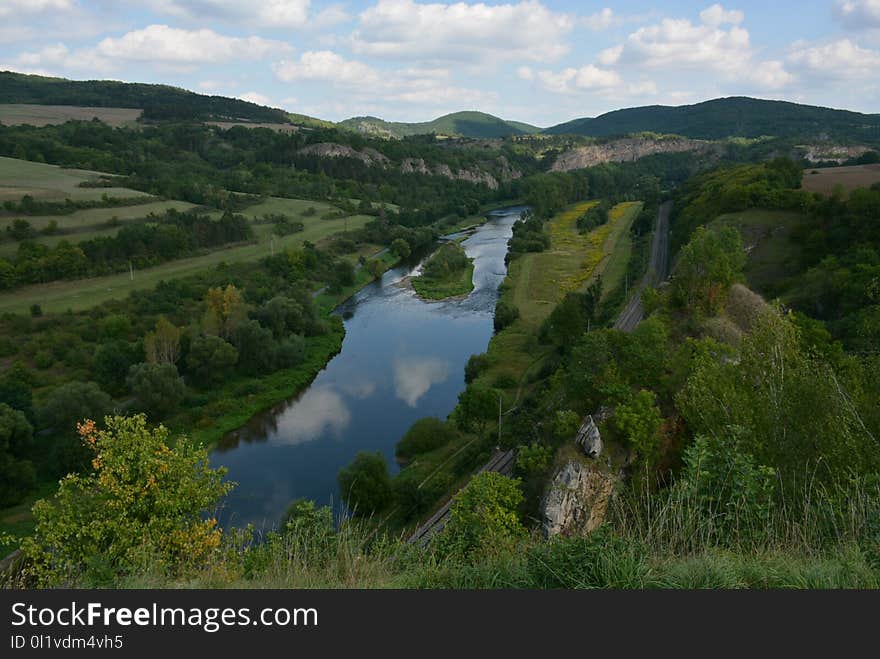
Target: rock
x=589 y=439
x=332 y=150
x=625 y=150
x=576 y=499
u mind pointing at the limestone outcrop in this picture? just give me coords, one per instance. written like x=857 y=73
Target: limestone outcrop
x=576 y=499
x=625 y=150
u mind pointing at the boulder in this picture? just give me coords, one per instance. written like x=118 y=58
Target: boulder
x=576 y=499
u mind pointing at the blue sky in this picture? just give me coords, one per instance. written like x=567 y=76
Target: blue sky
x=537 y=61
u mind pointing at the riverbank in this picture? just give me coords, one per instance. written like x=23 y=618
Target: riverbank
x=447 y=273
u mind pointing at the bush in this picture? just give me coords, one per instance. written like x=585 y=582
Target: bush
x=475 y=365
x=365 y=484
x=424 y=435
x=505 y=314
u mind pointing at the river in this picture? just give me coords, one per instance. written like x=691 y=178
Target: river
x=402 y=359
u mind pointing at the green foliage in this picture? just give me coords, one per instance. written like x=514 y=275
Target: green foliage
x=17 y=475
x=476 y=406
x=706 y=268
x=142 y=506
x=484 y=518
x=112 y=362
x=728 y=484
x=365 y=484
x=423 y=436
x=64 y=408
x=210 y=359
x=158 y=388
x=534 y=460
x=639 y=422
x=400 y=248
x=476 y=364
x=256 y=348
x=506 y=314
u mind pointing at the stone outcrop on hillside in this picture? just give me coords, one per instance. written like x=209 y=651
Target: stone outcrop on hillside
x=829 y=152
x=332 y=150
x=625 y=150
x=371 y=157
x=576 y=499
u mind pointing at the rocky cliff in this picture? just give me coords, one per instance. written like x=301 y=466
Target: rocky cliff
x=625 y=150
x=332 y=150
x=576 y=498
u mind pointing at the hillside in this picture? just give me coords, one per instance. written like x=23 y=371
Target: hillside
x=463 y=124
x=729 y=117
x=158 y=102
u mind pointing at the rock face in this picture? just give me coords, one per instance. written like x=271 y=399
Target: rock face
x=576 y=499
x=830 y=152
x=332 y=150
x=589 y=439
x=625 y=150
x=473 y=175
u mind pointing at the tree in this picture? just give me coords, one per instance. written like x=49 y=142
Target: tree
x=17 y=475
x=639 y=422
x=400 y=248
x=143 y=505
x=424 y=435
x=365 y=484
x=111 y=364
x=210 y=359
x=225 y=310
x=706 y=268
x=484 y=516
x=64 y=408
x=162 y=345
x=476 y=406
x=157 y=387
x=256 y=348
x=505 y=314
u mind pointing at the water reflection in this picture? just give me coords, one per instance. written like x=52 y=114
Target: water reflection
x=320 y=411
x=413 y=376
x=402 y=359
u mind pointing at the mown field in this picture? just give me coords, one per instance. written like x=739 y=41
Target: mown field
x=52 y=183
x=824 y=180
x=15 y=114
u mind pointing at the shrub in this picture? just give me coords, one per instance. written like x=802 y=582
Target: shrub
x=505 y=314
x=365 y=484
x=424 y=435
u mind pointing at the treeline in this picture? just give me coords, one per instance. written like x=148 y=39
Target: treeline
x=30 y=206
x=175 y=235
x=159 y=102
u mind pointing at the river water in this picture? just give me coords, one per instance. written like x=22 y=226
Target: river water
x=402 y=359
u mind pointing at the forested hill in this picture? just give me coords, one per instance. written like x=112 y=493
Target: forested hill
x=729 y=117
x=159 y=102
x=463 y=124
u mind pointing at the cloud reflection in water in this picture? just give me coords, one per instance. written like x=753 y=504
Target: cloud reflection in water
x=318 y=411
x=413 y=376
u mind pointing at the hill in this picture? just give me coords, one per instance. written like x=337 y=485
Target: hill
x=730 y=117
x=463 y=124
x=158 y=102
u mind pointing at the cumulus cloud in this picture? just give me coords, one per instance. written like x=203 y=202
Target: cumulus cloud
x=478 y=33
x=717 y=15
x=414 y=376
x=858 y=14
x=169 y=44
x=601 y=20
x=837 y=60
x=255 y=97
x=431 y=87
x=34 y=6
x=587 y=77
x=268 y=13
x=317 y=412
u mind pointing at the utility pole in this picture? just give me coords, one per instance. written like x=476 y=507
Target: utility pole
x=499 y=421
x=130 y=270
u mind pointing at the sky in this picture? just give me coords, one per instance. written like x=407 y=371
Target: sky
x=543 y=62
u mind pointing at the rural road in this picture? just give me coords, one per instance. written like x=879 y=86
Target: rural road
x=658 y=269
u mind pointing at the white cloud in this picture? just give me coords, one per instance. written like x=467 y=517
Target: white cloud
x=771 y=74
x=525 y=73
x=317 y=412
x=51 y=59
x=478 y=33
x=414 y=85
x=717 y=15
x=34 y=6
x=255 y=97
x=601 y=20
x=858 y=14
x=414 y=376
x=610 y=56
x=267 y=13
x=570 y=80
x=837 y=60
x=166 y=44
x=328 y=66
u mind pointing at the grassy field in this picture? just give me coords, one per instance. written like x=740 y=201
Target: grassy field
x=773 y=257
x=614 y=270
x=52 y=183
x=15 y=114
x=84 y=293
x=826 y=179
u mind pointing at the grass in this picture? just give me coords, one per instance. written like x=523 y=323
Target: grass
x=614 y=272
x=85 y=293
x=52 y=183
x=773 y=256
x=458 y=283
x=15 y=114
x=17 y=520
x=826 y=179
